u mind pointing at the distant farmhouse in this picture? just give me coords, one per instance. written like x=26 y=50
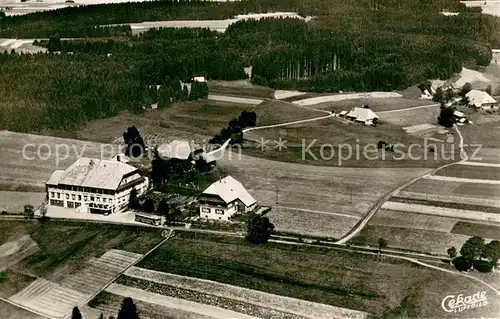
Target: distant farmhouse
x=481 y=99
x=362 y=115
x=224 y=198
x=183 y=151
x=95 y=186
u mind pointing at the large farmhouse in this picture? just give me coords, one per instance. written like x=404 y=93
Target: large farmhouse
x=224 y=198
x=362 y=115
x=98 y=186
x=481 y=99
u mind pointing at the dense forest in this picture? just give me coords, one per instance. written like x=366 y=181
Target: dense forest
x=358 y=45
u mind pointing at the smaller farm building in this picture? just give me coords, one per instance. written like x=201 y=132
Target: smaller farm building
x=362 y=115
x=481 y=99
x=224 y=198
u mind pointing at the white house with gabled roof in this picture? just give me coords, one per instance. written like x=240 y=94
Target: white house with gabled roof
x=362 y=115
x=97 y=186
x=224 y=198
x=481 y=99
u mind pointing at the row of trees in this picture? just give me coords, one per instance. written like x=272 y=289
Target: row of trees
x=475 y=253
x=234 y=130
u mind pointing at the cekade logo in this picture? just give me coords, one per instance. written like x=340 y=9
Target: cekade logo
x=460 y=303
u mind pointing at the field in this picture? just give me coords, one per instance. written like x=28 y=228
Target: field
x=472 y=229
x=394 y=218
x=350 y=191
x=13 y=202
x=314 y=99
x=471 y=172
x=318 y=224
x=447 y=188
x=64 y=268
x=30 y=171
x=354 y=145
x=193 y=121
x=482 y=134
x=426 y=115
x=419 y=240
x=240 y=88
x=442 y=211
x=375 y=104
x=350 y=280
x=276 y=305
x=64 y=246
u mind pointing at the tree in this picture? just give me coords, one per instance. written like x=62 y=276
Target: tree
x=164 y=97
x=446 y=117
x=133 y=202
x=448 y=94
x=492 y=251
x=163 y=208
x=76 y=313
x=488 y=89
x=133 y=139
x=472 y=248
x=128 y=310
x=462 y=264
x=438 y=96
x=54 y=44
x=466 y=88
x=452 y=252
x=29 y=211
x=259 y=229
x=2 y=15
x=149 y=205
x=101 y=316
x=382 y=244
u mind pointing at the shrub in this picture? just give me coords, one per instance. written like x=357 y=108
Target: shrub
x=2 y=277
x=462 y=264
x=483 y=265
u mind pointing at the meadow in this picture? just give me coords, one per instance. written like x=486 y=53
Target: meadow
x=322 y=136
x=344 y=279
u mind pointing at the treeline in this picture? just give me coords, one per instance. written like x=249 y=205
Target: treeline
x=359 y=45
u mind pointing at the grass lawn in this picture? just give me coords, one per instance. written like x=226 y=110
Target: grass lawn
x=65 y=246
x=350 y=280
x=473 y=172
x=354 y=145
x=473 y=229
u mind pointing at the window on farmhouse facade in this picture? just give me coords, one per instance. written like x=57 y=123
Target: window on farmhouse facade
x=104 y=200
x=58 y=195
x=205 y=210
x=92 y=198
x=67 y=196
x=85 y=198
x=52 y=194
x=219 y=211
x=79 y=197
x=73 y=197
